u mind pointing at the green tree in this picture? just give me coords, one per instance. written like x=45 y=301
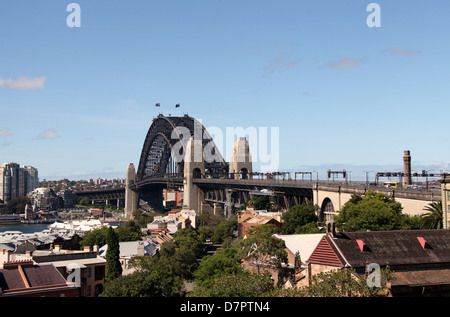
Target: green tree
x=128 y=232
x=17 y=205
x=154 y=279
x=345 y=283
x=142 y=218
x=298 y=216
x=113 y=266
x=205 y=233
x=266 y=230
x=221 y=263
x=207 y=219
x=373 y=211
x=84 y=201
x=433 y=219
x=190 y=239
x=259 y=203
x=94 y=237
x=244 y=284
x=263 y=249
x=223 y=230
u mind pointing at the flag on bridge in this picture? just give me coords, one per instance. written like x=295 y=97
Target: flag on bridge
x=177 y=105
x=157 y=105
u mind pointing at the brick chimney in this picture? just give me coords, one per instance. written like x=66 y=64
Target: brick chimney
x=140 y=249
x=407 y=167
x=5 y=256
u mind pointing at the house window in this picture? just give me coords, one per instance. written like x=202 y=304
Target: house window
x=99 y=272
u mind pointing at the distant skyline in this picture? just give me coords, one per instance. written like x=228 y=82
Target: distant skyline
x=76 y=102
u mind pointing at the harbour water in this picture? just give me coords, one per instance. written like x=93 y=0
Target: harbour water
x=24 y=227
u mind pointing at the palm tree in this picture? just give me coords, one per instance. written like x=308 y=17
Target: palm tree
x=433 y=218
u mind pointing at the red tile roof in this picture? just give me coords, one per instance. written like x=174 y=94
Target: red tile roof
x=325 y=253
x=401 y=248
x=18 y=276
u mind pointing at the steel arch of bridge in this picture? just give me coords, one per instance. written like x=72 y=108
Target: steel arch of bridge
x=162 y=142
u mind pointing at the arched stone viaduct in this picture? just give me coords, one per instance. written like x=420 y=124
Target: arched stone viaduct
x=331 y=197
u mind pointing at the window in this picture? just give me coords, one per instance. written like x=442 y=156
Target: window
x=99 y=272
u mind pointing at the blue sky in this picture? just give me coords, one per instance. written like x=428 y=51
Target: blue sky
x=77 y=102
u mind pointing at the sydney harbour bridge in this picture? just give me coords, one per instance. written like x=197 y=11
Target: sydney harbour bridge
x=178 y=153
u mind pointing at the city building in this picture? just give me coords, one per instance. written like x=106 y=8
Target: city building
x=420 y=259
x=172 y=198
x=299 y=248
x=174 y=221
x=130 y=249
x=17 y=181
x=91 y=267
x=27 y=279
x=19 y=243
x=68 y=197
x=45 y=199
x=251 y=218
x=76 y=226
x=170 y=222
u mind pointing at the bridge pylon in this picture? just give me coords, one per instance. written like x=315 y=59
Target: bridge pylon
x=194 y=167
x=241 y=160
x=131 y=200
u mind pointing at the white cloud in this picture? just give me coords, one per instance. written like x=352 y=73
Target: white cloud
x=344 y=63
x=23 y=83
x=48 y=134
x=5 y=132
x=280 y=62
x=400 y=51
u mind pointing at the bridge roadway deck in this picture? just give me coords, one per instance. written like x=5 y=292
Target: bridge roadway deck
x=275 y=185
x=286 y=186
x=283 y=186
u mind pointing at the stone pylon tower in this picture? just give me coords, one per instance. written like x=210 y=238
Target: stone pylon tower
x=241 y=160
x=194 y=167
x=130 y=196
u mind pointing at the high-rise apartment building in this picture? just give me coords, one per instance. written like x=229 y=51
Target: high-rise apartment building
x=17 y=181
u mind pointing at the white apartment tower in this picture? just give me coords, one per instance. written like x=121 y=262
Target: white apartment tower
x=17 y=181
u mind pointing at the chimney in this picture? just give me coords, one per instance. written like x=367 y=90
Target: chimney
x=331 y=228
x=407 y=167
x=6 y=256
x=57 y=248
x=140 y=249
x=95 y=248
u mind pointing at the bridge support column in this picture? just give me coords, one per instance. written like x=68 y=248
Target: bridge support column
x=194 y=166
x=228 y=204
x=131 y=199
x=215 y=208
